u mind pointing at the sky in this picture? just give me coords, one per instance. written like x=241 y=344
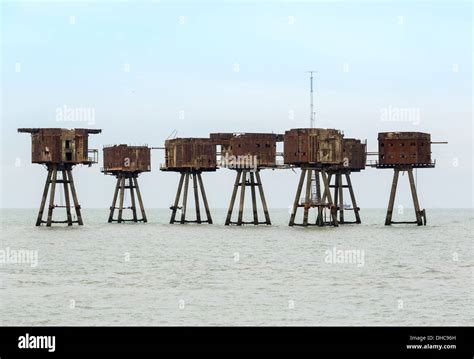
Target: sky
x=142 y=70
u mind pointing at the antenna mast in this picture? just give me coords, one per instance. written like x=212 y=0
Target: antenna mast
x=312 y=112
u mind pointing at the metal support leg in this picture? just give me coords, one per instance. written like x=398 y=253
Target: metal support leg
x=132 y=198
x=336 y=192
x=74 y=197
x=232 y=199
x=328 y=194
x=242 y=198
x=353 y=199
x=307 y=199
x=140 y=201
x=122 y=193
x=319 y=218
x=414 y=195
x=297 y=197
x=185 y=198
x=66 y=196
x=324 y=192
x=262 y=197
x=388 y=219
x=114 y=200
x=176 y=200
x=196 y=199
x=254 y=199
x=39 y=219
x=51 y=196
x=204 y=199
x=341 y=200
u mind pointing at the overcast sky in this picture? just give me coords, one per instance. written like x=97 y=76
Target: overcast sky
x=145 y=70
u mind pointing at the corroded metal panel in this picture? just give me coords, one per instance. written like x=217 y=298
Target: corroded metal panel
x=318 y=146
x=354 y=154
x=124 y=158
x=221 y=138
x=190 y=153
x=404 y=148
x=258 y=146
x=59 y=145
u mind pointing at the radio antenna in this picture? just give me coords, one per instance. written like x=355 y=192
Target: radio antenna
x=311 y=93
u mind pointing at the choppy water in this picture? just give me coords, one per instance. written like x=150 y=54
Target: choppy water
x=161 y=274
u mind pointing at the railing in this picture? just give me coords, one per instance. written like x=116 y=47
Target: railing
x=375 y=163
x=93 y=156
x=142 y=145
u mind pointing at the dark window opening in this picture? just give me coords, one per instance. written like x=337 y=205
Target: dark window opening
x=68 y=156
x=67 y=143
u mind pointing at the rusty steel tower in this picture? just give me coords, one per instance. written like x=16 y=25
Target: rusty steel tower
x=190 y=157
x=60 y=150
x=354 y=156
x=402 y=152
x=247 y=154
x=126 y=163
x=315 y=151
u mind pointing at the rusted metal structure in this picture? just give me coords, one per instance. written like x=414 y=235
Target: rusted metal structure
x=190 y=157
x=126 y=163
x=315 y=151
x=259 y=148
x=403 y=151
x=354 y=156
x=247 y=154
x=317 y=147
x=60 y=150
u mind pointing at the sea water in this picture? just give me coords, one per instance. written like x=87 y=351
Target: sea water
x=160 y=274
